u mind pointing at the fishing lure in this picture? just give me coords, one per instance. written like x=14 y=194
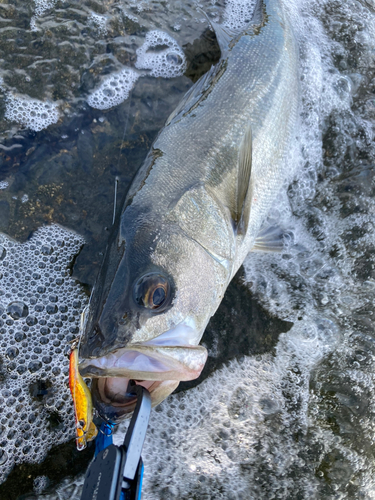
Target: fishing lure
x=85 y=428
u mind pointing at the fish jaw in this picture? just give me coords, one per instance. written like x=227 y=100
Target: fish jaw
x=148 y=362
x=113 y=404
x=158 y=365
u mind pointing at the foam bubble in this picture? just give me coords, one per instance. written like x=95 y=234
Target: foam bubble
x=114 y=89
x=99 y=21
x=31 y=113
x=38 y=319
x=42 y=6
x=40 y=484
x=169 y=62
x=4 y=184
x=238 y=14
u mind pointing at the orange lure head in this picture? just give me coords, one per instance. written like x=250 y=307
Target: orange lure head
x=85 y=428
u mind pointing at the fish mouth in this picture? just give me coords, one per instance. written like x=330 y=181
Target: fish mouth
x=158 y=365
x=148 y=362
x=112 y=401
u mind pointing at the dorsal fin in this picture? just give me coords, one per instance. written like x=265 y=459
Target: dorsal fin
x=193 y=94
x=258 y=14
x=243 y=199
x=198 y=92
x=225 y=35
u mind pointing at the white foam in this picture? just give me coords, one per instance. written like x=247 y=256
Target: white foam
x=169 y=62
x=114 y=90
x=4 y=184
x=100 y=22
x=31 y=113
x=238 y=13
x=42 y=6
x=40 y=307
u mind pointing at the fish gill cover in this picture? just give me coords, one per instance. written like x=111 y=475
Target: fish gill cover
x=298 y=423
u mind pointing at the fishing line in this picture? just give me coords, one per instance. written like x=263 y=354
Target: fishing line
x=119 y=156
x=122 y=142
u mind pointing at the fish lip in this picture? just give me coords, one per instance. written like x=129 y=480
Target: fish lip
x=121 y=399
x=158 y=364
x=172 y=355
x=148 y=362
x=112 y=403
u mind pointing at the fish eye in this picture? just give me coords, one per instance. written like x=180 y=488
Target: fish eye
x=81 y=424
x=153 y=292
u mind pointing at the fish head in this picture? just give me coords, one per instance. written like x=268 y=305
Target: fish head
x=154 y=296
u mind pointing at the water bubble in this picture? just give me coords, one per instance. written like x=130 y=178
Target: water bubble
x=17 y=310
x=31 y=320
x=3 y=457
x=34 y=366
x=12 y=352
x=162 y=55
x=19 y=336
x=28 y=112
x=269 y=406
x=2 y=253
x=114 y=89
x=174 y=58
x=51 y=309
x=40 y=484
x=31 y=418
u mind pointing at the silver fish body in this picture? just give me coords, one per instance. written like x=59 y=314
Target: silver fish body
x=191 y=216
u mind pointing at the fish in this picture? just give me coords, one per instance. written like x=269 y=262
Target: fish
x=86 y=430
x=193 y=212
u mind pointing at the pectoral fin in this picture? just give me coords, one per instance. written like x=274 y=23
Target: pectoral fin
x=273 y=239
x=241 y=215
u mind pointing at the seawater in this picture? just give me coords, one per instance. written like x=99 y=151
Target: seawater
x=296 y=422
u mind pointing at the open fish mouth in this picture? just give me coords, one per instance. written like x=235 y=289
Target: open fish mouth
x=148 y=362
x=114 y=403
x=156 y=365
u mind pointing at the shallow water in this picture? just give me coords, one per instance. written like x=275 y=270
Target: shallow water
x=291 y=416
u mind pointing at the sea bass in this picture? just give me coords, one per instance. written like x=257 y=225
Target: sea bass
x=192 y=214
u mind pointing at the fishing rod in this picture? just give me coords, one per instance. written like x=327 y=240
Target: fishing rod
x=116 y=472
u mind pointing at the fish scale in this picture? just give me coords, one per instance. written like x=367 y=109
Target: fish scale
x=259 y=86
x=193 y=213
